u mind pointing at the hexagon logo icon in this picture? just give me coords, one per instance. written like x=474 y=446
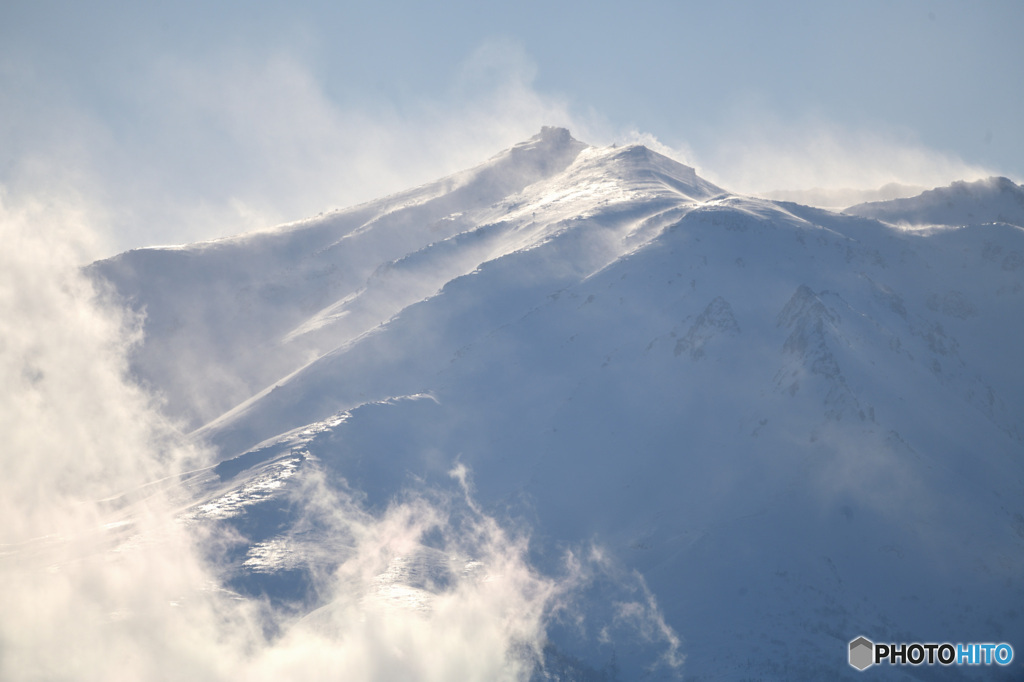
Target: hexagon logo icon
x=862 y=653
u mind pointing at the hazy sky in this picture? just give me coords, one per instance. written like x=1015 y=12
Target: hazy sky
x=179 y=121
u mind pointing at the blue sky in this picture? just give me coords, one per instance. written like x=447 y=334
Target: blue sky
x=170 y=123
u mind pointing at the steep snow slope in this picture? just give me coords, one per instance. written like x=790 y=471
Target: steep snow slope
x=233 y=310
x=788 y=427
x=608 y=203
x=995 y=200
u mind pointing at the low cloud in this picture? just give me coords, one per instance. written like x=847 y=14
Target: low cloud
x=77 y=435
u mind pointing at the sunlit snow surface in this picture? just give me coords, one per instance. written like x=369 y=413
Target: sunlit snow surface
x=737 y=433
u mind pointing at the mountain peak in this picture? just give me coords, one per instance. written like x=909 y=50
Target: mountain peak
x=550 y=139
x=554 y=134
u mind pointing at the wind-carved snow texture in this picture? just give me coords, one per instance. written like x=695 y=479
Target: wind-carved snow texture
x=744 y=421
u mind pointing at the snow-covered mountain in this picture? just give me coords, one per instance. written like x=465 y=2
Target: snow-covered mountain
x=779 y=427
x=994 y=200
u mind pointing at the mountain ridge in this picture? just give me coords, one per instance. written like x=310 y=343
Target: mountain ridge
x=305 y=276
x=787 y=427
x=991 y=200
